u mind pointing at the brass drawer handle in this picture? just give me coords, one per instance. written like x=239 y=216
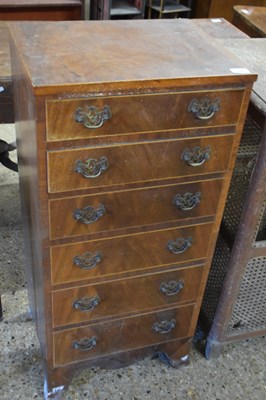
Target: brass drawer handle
x=91 y=168
x=85 y=344
x=187 y=201
x=196 y=156
x=172 y=288
x=204 y=108
x=92 y=117
x=86 y=303
x=89 y=214
x=164 y=326
x=88 y=260
x=179 y=245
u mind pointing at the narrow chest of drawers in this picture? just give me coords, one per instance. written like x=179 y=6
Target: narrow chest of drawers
x=125 y=161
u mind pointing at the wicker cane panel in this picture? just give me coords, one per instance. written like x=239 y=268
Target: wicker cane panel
x=250 y=139
x=261 y=233
x=249 y=311
x=245 y=162
x=236 y=196
x=246 y=158
x=215 y=281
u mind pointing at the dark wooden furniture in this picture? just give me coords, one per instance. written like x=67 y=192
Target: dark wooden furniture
x=117 y=9
x=224 y=9
x=234 y=302
x=251 y=20
x=125 y=161
x=6 y=96
x=165 y=8
x=51 y=10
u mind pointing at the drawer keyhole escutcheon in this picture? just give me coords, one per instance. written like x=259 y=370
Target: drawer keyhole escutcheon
x=86 y=303
x=187 y=201
x=92 y=117
x=204 y=108
x=91 y=168
x=179 y=245
x=172 y=288
x=89 y=214
x=88 y=260
x=197 y=156
x=85 y=344
x=164 y=326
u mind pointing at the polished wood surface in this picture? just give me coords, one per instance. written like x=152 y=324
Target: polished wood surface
x=252 y=20
x=219 y=28
x=141 y=114
x=114 y=67
x=145 y=251
x=126 y=297
x=135 y=76
x=126 y=334
x=123 y=209
x=136 y=163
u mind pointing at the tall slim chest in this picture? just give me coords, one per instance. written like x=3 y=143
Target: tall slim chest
x=127 y=134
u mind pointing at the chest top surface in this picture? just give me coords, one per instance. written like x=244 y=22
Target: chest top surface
x=73 y=53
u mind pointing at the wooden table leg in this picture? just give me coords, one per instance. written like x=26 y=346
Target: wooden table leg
x=1 y=311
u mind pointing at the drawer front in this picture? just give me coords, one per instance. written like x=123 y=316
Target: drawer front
x=107 y=116
x=134 y=163
x=109 y=212
x=131 y=253
x=112 y=299
x=121 y=335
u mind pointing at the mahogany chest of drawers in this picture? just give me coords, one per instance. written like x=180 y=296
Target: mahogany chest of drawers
x=127 y=134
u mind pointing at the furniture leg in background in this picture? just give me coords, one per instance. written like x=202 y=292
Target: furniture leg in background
x=87 y=9
x=118 y=9
x=1 y=311
x=169 y=8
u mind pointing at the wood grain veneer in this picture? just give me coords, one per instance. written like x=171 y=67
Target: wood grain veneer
x=135 y=163
x=148 y=86
x=141 y=252
x=140 y=114
x=126 y=209
x=126 y=334
x=134 y=295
